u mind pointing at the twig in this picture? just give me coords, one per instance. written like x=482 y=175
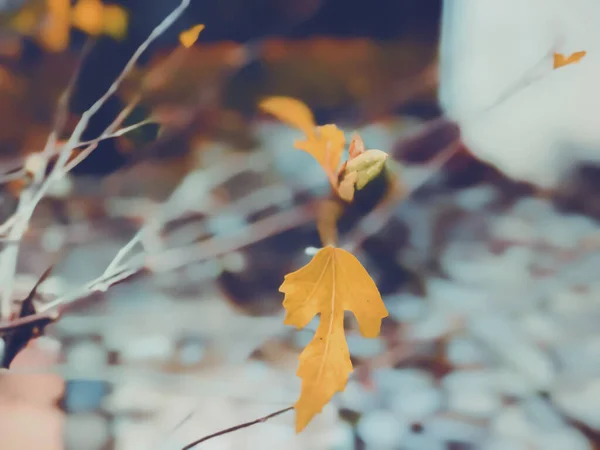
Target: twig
x=13 y=175
x=117 y=133
x=237 y=427
x=174 y=258
x=62 y=114
x=17 y=224
x=110 y=132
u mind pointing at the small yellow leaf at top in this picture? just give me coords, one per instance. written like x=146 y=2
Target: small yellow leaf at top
x=561 y=60
x=334 y=281
x=189 y=37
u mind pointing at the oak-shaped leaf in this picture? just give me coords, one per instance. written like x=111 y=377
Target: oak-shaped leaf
x=334 y=281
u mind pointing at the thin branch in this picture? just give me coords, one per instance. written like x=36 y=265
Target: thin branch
x=174 y=258
x=108 y=133
x=237 y=427
x=17 y=224
x=118 y=133
x=159 y=30
x=13 y=175
x=62 y=113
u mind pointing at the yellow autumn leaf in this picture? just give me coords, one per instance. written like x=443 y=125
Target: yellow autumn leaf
x=334 y=281
x=115 y=21
x=327 y=147
x=54 y=33
x=24 y=21
x=189 y=37
x=324 y=143
x=561 y=60
x=88 y=16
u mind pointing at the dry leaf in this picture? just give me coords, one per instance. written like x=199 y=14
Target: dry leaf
x=327 y=147
x=347 y=186
x=561 y=60
x=366 y=166
x=291 y=111
x=324 y=143
x=334 y=281
x=189 y=37
x=361 y=167
x=357 y=146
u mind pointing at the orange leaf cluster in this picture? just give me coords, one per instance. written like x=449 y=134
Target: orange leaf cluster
x=334 y=281
x=326 y=144
x=561 y=60
x=90 y=16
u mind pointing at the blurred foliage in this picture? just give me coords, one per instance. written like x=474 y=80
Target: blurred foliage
x=49 y=22
x=210 y=90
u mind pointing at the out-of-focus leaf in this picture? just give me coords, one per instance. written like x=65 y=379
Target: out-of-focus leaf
x=54 y=33
x=88 y=16
x=561 y=60
x=189 y=37
x=291 y=111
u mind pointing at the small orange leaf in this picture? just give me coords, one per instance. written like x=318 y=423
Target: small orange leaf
x=291 y=111
x=561 y=60
x=334 y=281
x=357 y=146
x=189 y=37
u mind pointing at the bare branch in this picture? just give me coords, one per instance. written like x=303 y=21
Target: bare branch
x=237 y=427
x=62 y=114
x=17 y=224
x=174 y=258
x=118 y=133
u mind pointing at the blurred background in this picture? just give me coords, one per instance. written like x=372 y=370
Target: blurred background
x=492 y=338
